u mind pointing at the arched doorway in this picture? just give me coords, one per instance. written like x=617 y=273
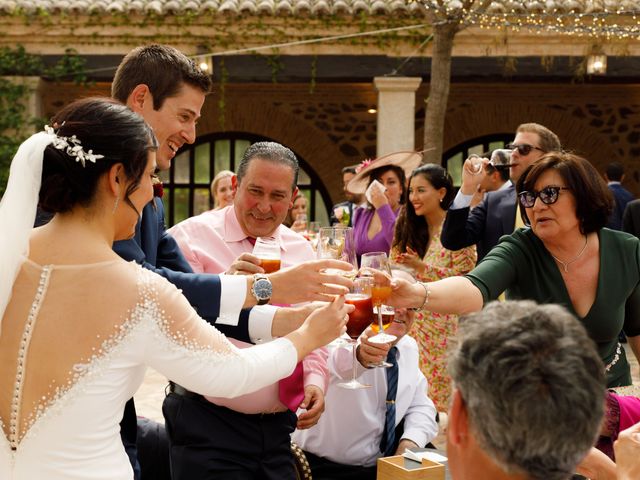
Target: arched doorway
x=186 y=183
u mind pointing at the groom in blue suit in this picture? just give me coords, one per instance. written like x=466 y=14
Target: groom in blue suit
x=168 y=91
x=495 y=216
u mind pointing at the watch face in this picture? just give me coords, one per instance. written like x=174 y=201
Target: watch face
x=262 y=288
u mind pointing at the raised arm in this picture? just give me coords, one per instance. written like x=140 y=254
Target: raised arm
x=196 y=355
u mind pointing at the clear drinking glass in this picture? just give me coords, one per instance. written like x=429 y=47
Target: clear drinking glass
x=501 y=157
x=379 y=292
x=474 y=164
x=267 y=250
x=360 y=297
x=338 y=242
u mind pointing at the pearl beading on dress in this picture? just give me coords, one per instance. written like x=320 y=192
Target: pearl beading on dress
x=22 y=356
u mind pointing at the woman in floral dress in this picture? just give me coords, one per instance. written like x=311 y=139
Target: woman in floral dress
x=416 y=246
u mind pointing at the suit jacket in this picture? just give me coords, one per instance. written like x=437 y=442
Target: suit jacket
x=622 y=197
x=484 y=225
x=350 y=208
x=631 y=218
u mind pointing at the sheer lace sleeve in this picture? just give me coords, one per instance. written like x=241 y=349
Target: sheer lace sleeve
x=196 y=355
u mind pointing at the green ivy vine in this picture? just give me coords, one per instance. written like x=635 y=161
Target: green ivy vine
x=15 y=122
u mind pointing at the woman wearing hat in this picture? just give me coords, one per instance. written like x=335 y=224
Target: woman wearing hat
x=374 y=223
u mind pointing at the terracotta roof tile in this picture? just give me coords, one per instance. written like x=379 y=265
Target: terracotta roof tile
x=294 y=7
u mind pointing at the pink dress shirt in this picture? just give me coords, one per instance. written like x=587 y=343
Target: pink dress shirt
x=211 y=242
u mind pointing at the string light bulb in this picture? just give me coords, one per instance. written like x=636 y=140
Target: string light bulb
x=597 y=64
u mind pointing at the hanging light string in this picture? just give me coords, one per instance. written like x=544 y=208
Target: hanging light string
x=557 y=21
x=518 y=16
x=204 y=56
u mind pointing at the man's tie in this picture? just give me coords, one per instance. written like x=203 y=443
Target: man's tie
x=291 y=389
x=387 y=442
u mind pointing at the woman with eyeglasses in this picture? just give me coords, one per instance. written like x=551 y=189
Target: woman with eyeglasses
x=565 y=256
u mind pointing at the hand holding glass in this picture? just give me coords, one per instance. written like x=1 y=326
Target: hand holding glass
x=268 y=251
x=474 y=164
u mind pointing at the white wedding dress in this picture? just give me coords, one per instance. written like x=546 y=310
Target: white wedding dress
x=74 y=347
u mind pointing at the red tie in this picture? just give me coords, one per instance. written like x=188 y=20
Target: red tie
x=291 y=389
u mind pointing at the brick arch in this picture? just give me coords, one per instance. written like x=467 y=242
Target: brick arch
x=268 y=119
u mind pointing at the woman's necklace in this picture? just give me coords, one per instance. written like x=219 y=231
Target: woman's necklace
x=565 y=265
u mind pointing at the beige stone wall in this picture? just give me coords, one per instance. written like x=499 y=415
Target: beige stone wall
x=330 y=128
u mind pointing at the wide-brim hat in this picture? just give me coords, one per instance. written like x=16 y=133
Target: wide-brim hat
x=408 y=161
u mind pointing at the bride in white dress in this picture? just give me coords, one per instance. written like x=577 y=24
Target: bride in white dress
x=80 y=325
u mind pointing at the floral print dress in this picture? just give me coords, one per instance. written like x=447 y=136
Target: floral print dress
x=431 y=330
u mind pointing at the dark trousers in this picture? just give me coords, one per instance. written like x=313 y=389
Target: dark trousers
x=210 y=442
x=325 y=469
x=128 y=433
x=153 y=450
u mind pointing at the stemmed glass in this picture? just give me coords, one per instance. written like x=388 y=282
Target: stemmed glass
x=338 y=243
x=360 y=297
x=379 y=293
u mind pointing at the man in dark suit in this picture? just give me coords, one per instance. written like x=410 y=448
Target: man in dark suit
x=614 y=175
x=495 y=216
x=631 y=218
x=170 y=103
x=345 y=209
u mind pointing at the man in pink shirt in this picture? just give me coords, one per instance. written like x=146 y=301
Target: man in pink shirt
x=247 y=437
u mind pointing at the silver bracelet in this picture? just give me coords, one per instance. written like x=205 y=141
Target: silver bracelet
x=427 y=292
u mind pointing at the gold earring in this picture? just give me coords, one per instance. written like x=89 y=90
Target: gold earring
x=115 y=205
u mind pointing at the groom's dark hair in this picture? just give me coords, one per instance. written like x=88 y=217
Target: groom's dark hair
x=162 y=68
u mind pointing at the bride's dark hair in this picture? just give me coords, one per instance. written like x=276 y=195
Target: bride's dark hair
x=106 y=127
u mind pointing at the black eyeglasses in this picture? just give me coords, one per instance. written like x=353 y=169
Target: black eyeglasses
x=524 y=149
x=548 y=195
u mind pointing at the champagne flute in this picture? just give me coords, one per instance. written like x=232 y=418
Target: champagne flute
x=360 y=297
x=268 y=251
x=379 y=293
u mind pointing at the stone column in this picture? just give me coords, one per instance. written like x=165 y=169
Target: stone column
x=396 y=113
x=32 y=101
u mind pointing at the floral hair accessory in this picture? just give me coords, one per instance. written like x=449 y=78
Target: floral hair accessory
x=364 y=164
x=72 y=146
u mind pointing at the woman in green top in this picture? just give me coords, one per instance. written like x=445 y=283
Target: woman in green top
x=565 y=257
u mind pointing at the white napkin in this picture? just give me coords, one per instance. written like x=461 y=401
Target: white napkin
x=375 y=185
x=418 y=456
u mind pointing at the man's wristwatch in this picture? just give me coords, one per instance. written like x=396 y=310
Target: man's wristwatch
x=261 y=288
